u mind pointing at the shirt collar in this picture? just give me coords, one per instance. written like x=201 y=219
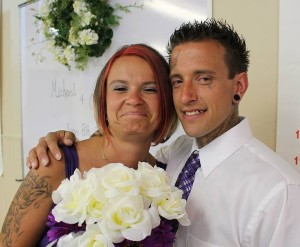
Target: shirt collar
x=222 y=147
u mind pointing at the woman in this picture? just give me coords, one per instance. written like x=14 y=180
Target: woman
x=133 y=109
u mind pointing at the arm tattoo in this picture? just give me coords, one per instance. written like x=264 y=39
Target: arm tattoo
x=32 y=191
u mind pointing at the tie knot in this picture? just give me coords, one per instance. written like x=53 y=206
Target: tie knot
x=192 y=164
x=194 y=159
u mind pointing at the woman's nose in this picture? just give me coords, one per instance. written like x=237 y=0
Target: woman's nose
x=134 y=98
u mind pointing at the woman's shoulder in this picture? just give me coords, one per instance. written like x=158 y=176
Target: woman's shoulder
x=88 y=144
x=89 y=153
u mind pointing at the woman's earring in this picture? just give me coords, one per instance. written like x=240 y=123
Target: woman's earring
x=236 y=98
x=106 y=120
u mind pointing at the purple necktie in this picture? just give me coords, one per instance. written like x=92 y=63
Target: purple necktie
x=186 y=177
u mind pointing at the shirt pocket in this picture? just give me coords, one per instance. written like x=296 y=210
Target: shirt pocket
x=195 y=242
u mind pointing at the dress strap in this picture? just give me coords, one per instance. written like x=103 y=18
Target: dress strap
x=71 y=159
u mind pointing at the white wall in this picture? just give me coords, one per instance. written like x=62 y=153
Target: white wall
x=11 y=122
x=258 y=21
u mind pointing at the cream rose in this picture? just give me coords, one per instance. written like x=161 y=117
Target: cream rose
x=118 y=179
x=127 y=216
x=172 y=206
x=154 y=180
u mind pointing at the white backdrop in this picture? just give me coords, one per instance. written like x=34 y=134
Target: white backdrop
x=55 y=98
x=288 y=121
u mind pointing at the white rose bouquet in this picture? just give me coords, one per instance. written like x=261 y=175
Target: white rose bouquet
x=116 y=206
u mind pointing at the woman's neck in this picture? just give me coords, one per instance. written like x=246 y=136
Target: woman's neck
x=126 y=152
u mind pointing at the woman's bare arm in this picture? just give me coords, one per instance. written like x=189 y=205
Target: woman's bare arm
x=26 y=218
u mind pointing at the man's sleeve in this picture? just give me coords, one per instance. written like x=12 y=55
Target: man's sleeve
x=276 y=223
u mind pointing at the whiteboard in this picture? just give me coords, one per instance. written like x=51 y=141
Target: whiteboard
x=55 y=98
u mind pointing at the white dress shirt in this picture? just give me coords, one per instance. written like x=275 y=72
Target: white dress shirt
x=244 y=194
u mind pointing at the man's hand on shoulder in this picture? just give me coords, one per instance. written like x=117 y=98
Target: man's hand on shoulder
x=38 y=155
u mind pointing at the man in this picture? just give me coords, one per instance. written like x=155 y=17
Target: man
x=243 y=194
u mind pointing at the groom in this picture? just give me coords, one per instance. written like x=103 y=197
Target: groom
x=243 y=194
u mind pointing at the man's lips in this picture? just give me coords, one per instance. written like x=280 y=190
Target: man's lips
x=194 y=112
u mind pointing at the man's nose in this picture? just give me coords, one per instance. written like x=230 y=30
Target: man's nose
x=189 y=92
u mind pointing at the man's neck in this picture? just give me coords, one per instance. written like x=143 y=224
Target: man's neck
x=229 y=123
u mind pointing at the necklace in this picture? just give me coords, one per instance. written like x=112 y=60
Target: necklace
x=104 y=157
x=103 y=153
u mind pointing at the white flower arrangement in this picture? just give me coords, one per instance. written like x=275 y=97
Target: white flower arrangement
x=116 y=203
x=78 y=29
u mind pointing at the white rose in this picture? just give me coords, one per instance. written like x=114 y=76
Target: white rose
x=87 y=37
x=69 y=240
x=79 y=6
x=127 y=216
x=118 y=179
x=94 y=211
x=77 y=202
x=154 y=180
x=94 y=177
x=172 y=206
x=86 y=18
x=93 y=236
x=69 y=53
x=72 y=37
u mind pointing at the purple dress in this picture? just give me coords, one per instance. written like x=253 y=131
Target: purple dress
x=71 y=159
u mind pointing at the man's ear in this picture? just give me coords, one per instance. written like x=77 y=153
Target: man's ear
x=241 y=85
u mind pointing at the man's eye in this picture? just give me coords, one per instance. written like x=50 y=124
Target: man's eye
x=204 y=80
x=176 y=82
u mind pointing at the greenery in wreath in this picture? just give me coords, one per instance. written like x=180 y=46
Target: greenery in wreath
x=79 y=29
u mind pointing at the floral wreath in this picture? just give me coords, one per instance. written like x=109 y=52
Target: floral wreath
x=78 y=29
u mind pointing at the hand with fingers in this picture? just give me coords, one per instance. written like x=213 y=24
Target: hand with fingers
x=38 y=155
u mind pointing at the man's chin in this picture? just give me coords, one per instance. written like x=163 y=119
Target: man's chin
x=195 y=130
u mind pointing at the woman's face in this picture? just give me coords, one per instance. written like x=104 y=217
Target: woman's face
x=132 y=98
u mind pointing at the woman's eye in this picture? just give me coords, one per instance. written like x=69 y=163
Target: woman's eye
x=120 y=88
x=150 y=90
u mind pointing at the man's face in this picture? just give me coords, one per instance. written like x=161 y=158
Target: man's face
x=202 y=91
